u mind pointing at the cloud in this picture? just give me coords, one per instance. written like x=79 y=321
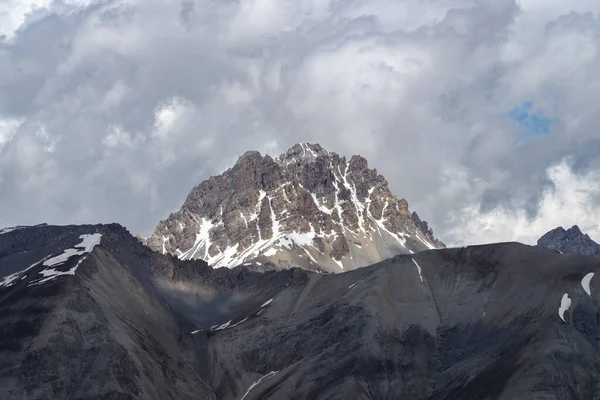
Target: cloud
x=113 y=110
x=567 y=199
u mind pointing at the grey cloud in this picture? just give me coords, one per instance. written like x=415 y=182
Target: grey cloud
x=127 y=105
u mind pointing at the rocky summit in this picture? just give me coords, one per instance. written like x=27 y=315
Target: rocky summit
x=570 y=241
x=88 y=312
x=309 y=208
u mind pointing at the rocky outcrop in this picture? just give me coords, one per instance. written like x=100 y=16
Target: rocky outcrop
x=571 y=241
x=309 y=207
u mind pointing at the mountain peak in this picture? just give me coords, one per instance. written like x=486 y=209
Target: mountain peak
x=571 y=241
x=309 y=207
x=302 y=152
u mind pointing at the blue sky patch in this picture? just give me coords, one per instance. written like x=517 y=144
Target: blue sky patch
x=530 y=122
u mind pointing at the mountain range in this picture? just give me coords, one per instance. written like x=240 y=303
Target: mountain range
x=233 y=297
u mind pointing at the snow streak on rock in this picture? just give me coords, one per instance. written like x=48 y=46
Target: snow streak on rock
x=270 y=374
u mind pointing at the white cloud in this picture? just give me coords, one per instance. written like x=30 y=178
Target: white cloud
x=8 y=129
x=13 y=14
x=117 y=137
x=570 y=199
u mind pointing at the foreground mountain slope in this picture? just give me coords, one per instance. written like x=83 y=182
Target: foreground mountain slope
x=309 y=208
x=570 y=241
x=501 y=321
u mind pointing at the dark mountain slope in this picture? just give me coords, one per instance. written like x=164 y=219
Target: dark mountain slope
x=98 y=334
x=479 y=322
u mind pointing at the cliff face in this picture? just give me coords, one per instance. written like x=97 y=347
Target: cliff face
x=309 y=208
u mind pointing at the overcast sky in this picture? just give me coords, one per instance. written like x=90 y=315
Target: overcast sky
x=483 y=114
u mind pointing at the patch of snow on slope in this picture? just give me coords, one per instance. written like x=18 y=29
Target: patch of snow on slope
x=257 y=383
x=202 y=241
x=225 y=258
x=354 y=197
x=87 y=245
x=164 y=240
x=9 y=230
x=303 y=239
x=240 y=322
x=271 y=252
x=10 y=280
x=286 y=242
x=244 y=218
x=224 y=326
x=585 y=282
x=418 y=269
x=565 y=303
x=339 y=263
x=266 y=303
x=380 y=223
x=426 y=243
x=274 y=222
x=311 y=150
x=320 y=206
x=354 y=284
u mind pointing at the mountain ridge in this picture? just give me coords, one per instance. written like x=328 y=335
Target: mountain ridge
x=498 y=321
x=309 y=207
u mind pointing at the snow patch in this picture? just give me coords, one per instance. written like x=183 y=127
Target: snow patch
x=237 y=323
x=426 y=243
x=354 y=197
x=244 y=218
x=87 y=245
x=202 y=242
x=320 y=206
x=565 y=303
x=338 y=262
x=266 y=303
x=418 y=269
x=303 y=239
x=354 y=284
x=585 y=283
x=270 y=374
x=9 y=230
x=286 y=242
x=10 y=280
x=194 y=332
x=271 y=252
x=224 y=326
x=164 y=240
